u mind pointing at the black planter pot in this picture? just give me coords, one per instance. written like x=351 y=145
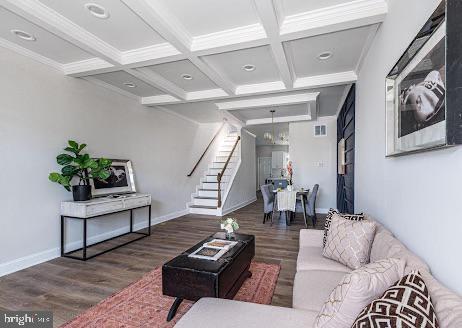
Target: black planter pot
x=81 y=193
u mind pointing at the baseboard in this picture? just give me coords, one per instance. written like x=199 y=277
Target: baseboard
x=37 y=258
x=322 y=210
x=238 y=206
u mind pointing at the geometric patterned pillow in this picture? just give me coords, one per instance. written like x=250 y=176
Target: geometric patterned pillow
x=353 y=217
x=356 y=290
x=349 y=242
x=405 y=304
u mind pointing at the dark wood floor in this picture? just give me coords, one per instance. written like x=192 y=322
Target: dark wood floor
x=67 y=287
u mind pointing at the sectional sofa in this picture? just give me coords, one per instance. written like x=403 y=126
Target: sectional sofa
x=316 y=277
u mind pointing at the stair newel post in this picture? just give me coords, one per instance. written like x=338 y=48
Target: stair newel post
x=219 y=189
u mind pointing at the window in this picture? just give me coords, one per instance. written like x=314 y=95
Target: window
x=320 y=130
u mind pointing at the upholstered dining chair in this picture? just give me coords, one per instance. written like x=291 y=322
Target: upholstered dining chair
x=268 y=202
x=310 y=205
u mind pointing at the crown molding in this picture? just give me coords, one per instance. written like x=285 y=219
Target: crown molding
x=112 y=87
x=325 y=20
x=84 y=66
x=31 y=54
x=326 y=80
x=283 y=119
x=157 y=51
x=293 y=99
x=171 y=112
x=240 y=34
x=41 y=15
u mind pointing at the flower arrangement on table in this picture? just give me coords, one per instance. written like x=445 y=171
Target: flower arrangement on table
x=230 y=225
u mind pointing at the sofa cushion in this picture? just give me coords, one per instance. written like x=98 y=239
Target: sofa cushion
x=349 y=242
x=356 y=290
x=405 y=304
x=310 y=258
x=311 y=238
x=311 y=288
x=448 y=305
x=330 y=214
x=215 y=312
x=386 y=245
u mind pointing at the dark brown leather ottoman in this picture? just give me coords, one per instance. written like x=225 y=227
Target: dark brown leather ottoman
x=190 y=278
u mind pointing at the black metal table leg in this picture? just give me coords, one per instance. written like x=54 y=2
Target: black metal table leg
x=131 y=220
x=149 y=220
x=84 y=250
x=62 y=235
x=174 y=308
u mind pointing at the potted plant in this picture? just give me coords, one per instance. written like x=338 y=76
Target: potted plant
x=81 y=166
x=230 y=225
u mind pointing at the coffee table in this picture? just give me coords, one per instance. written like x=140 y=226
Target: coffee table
x=190 y=278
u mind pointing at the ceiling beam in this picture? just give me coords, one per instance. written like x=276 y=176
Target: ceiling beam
x=283 y=119
x=269 y=19
x=167 y=25
x=157 y=81
x=344 y=16
x=293 y=99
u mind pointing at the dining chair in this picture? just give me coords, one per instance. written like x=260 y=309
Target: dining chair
x=311 y=204
x=268 y=202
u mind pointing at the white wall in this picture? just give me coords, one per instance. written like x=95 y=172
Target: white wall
x=314 y=159
x=416 y=196
x=265 y=151
x=40 y=109
x=243 y=189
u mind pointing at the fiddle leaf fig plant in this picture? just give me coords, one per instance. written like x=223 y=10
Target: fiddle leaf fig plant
x=76 y=164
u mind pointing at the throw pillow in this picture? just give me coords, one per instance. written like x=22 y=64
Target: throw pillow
x=405 y=304
x=356 y=290
x=349 y=242
x=353 y=217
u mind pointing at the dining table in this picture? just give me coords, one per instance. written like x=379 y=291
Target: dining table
x=303 y=194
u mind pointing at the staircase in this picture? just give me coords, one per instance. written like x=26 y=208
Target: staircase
x=205 y=199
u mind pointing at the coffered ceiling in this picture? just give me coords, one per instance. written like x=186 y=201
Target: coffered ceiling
x=199 y=58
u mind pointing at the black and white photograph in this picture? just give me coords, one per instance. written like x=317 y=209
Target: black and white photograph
x=422 y=93
x=121 y=180
x=118 y=178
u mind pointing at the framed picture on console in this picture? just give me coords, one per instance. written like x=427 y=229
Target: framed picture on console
x=423 y=109
x=121 y=181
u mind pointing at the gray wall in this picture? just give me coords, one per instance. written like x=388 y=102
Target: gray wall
x=314 y=159
x=416 y=196
x=265 y=151
x=40 y=109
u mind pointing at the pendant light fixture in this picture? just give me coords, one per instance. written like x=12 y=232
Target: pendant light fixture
x=268 y=136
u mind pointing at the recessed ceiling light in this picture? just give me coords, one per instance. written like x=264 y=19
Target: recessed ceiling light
x=24 y=35
x=130 y=85
x=97 y=10
x=249 y=68
x=186 y=76
x=325 y=55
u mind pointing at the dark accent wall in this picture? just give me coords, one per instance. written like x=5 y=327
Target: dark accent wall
x=346 y=130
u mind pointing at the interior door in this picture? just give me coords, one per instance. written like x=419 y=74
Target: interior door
x=346 y=131
x=264 y=170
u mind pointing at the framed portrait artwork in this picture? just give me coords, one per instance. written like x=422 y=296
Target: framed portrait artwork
x=418 y=111
x=121 y=180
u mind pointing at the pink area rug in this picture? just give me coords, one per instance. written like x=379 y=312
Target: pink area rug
x=142 y=304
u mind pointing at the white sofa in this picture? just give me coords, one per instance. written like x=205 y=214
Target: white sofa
x=316 y=277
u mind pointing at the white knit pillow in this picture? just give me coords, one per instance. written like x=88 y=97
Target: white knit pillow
x=349 y=242
x=356 y=290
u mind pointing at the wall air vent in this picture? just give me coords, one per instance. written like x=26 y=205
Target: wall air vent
x=320 y=130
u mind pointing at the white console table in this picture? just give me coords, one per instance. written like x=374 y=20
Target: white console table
x=98 y=207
